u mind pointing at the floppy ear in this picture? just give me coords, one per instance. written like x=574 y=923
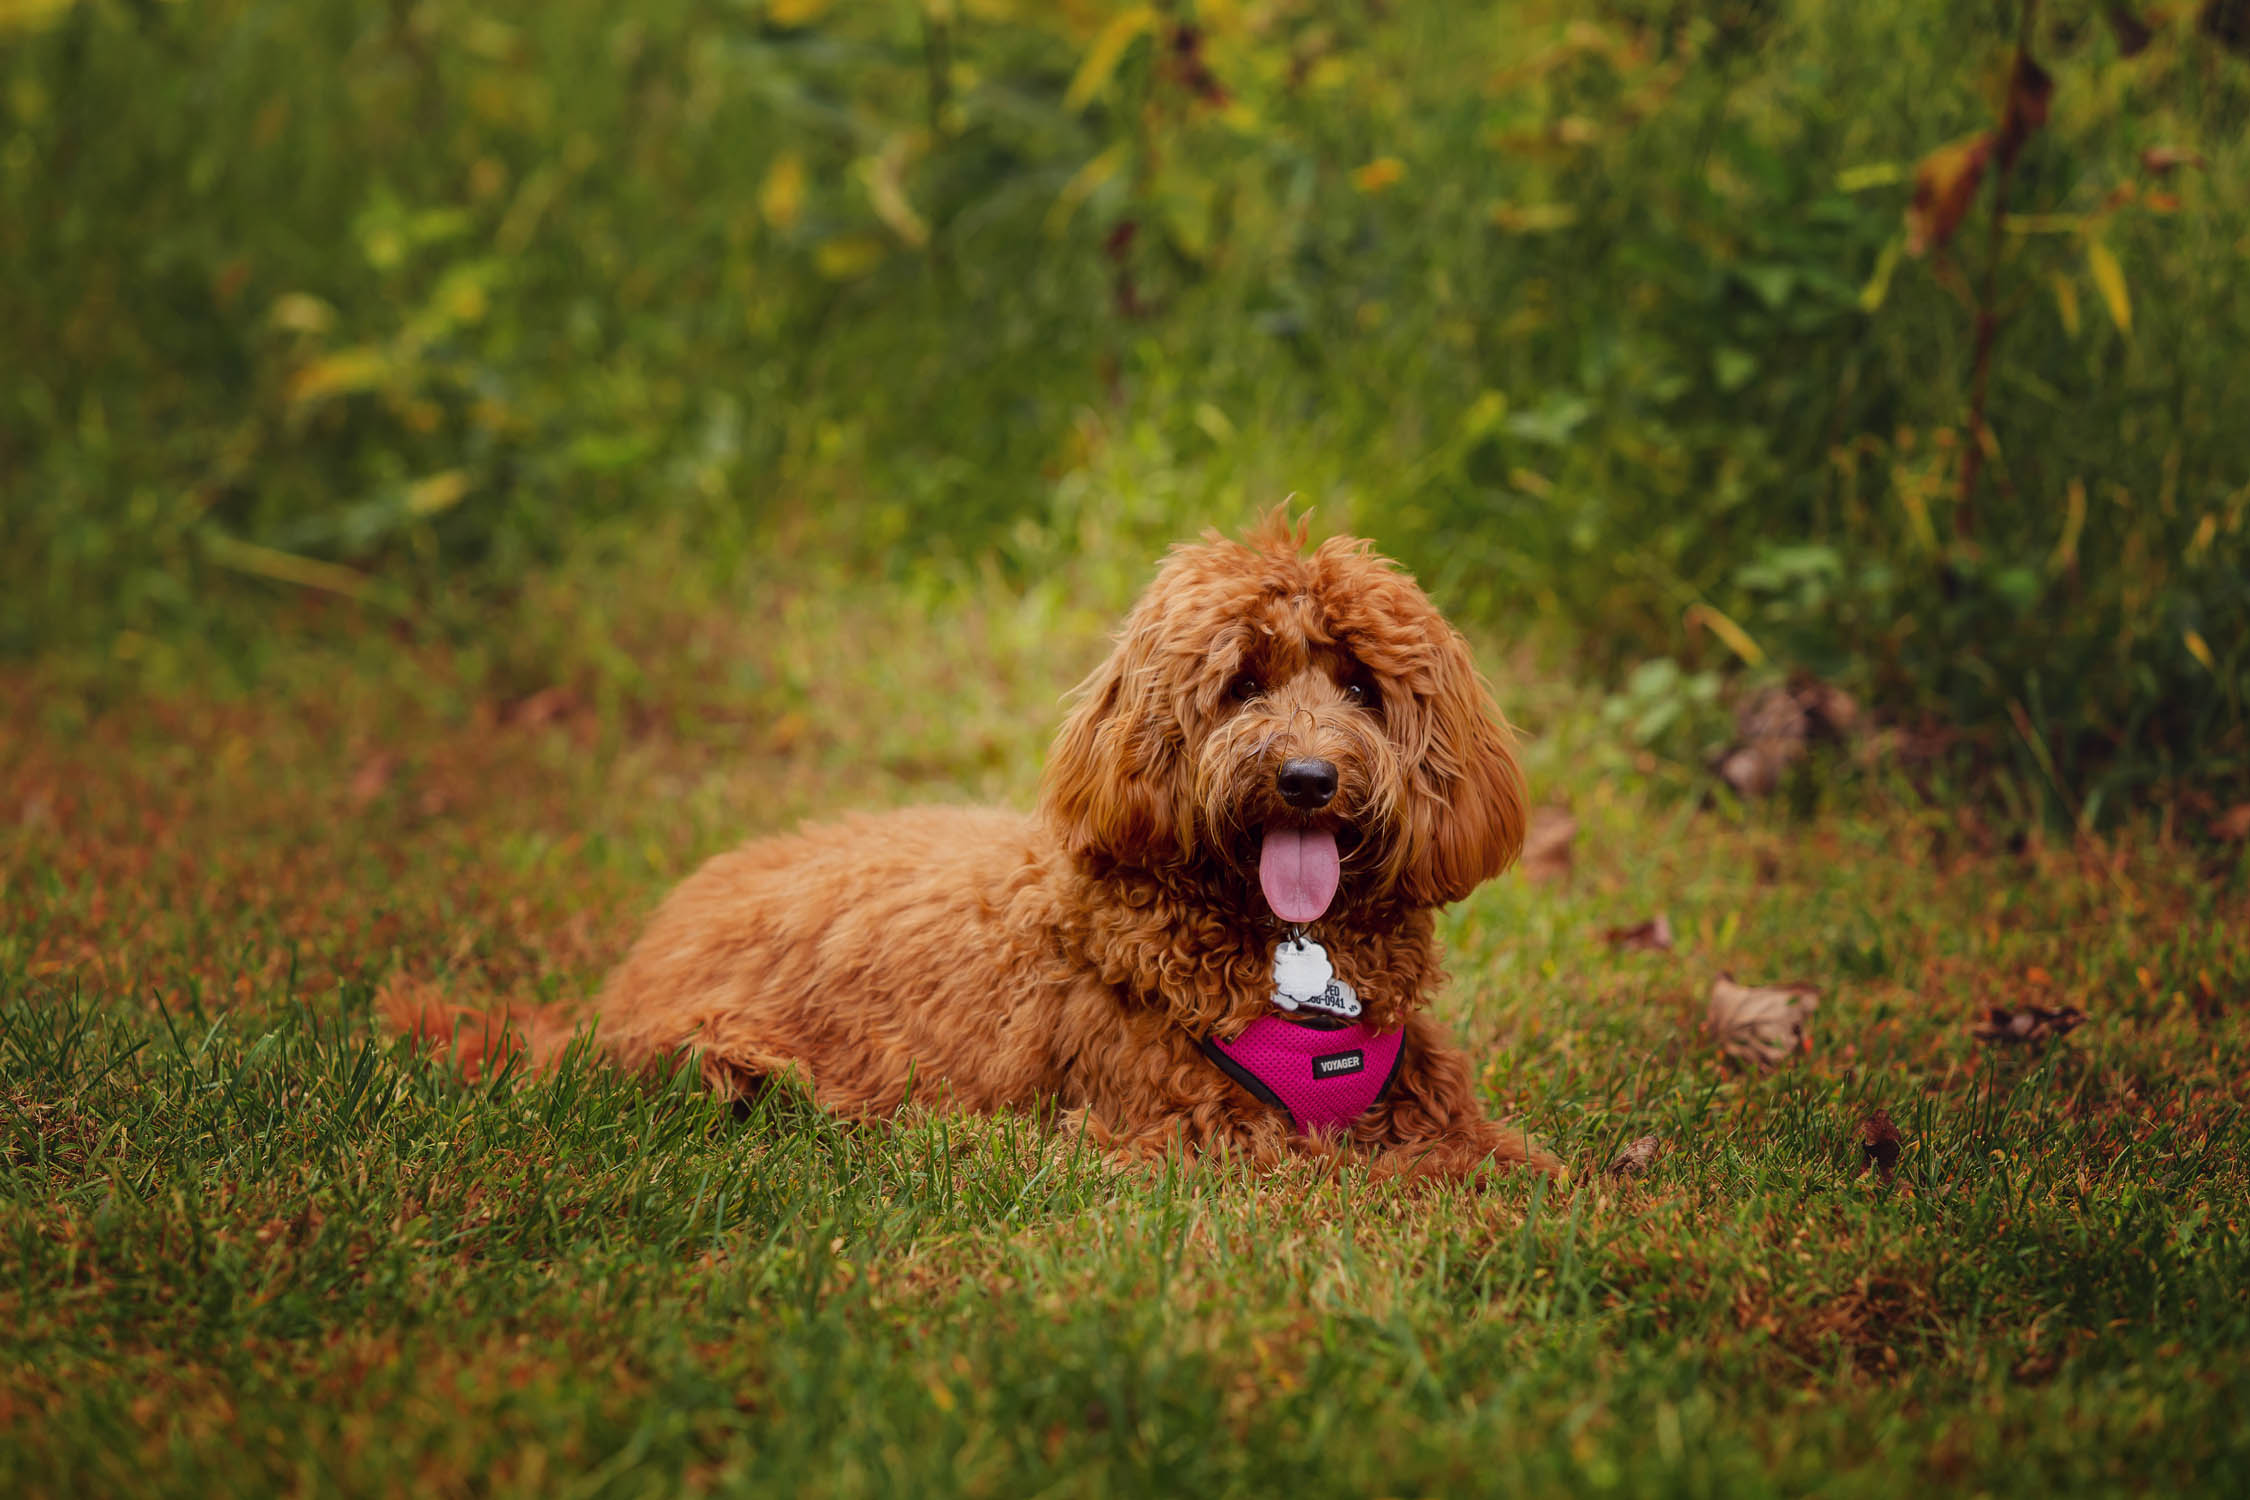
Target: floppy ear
x=1108 y=784
x=1468 y=809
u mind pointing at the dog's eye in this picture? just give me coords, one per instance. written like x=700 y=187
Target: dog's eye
x=1361 y=693
x=1245 y=687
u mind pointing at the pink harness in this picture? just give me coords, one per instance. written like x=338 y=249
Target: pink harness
x=1323 y=1078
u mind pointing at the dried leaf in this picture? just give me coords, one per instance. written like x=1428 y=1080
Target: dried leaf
x=1774 y=727
x=1737 y=639
x=1761 y=1024
x=1945 y=184
x=2233 y=825
x=2163 y=160
x=1755 y=770
x=1547 y=845
x=1652 y=936
x=1378 y=174
x=372 y=778
x=1879 y=1143
x=1636 y=1157
x=543 y=707
x=2028 y=1025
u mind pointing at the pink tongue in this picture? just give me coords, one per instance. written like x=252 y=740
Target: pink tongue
x=1297 y=871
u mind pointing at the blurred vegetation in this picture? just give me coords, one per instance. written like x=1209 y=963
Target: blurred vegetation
x=1606 y=313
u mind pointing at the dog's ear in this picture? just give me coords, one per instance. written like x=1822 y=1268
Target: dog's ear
x=1108 y=788
x=1468 y=809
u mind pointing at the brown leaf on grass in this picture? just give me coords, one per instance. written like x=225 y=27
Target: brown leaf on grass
x=1878 y=1143
x=1636 y=1157
x=372 y=778
x=1652 y=936
x=543 y=707
x=1774 y=727
x=1546 y=845
x=1945 y=184
x=1763 y=1025
x=2034 y=1025
x=2164 y=160
x=2233 y=825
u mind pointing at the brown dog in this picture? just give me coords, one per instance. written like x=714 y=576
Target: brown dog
x=1284 y=749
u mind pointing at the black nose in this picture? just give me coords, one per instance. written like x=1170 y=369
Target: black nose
x=1306 y=783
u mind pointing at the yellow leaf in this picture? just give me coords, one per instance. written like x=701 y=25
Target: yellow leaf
x=30 y=15
x=362 y=368
x=300 y=312
x=1216 y=425
x=1879 y=283
x=1874 y=174
x=461 y=297
x=1737 y=639
x=1107 y=51
x=1910 y=495
x=2066 y=302
x=2109 y=280
x=1533 y=218
x=884 y=175
x=285 y=567
x=795 y=12
x=2074 y=522
x=781 y=197
x=1378 y=174
x=436 y=492
x=2200 y=649
x=1082 y=184
x=849 y=257
x=1483 y=414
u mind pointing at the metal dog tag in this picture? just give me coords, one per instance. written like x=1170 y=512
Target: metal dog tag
x=1304 y=979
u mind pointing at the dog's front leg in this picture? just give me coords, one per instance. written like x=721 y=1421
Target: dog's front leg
x=1149 y=1092
x=1429 y=1123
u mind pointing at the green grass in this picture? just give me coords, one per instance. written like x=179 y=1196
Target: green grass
x=248 y=1247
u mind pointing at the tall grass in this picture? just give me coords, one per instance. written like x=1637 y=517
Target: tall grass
x=1598 y=311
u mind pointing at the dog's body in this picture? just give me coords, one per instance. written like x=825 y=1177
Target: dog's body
x=1269 y=724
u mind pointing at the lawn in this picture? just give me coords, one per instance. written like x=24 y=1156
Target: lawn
x=248 y=1245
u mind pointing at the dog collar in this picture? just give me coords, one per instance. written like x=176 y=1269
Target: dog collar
x=1323 y=1078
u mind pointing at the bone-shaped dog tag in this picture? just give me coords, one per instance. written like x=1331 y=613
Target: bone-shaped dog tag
x=1303 y=977
x=1300 y=968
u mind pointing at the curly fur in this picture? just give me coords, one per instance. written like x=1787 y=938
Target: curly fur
x=1073 y=957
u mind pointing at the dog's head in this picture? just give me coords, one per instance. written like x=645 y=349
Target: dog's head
x=1297 y=731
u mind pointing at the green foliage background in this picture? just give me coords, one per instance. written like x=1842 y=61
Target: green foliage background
x=1597 y=312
